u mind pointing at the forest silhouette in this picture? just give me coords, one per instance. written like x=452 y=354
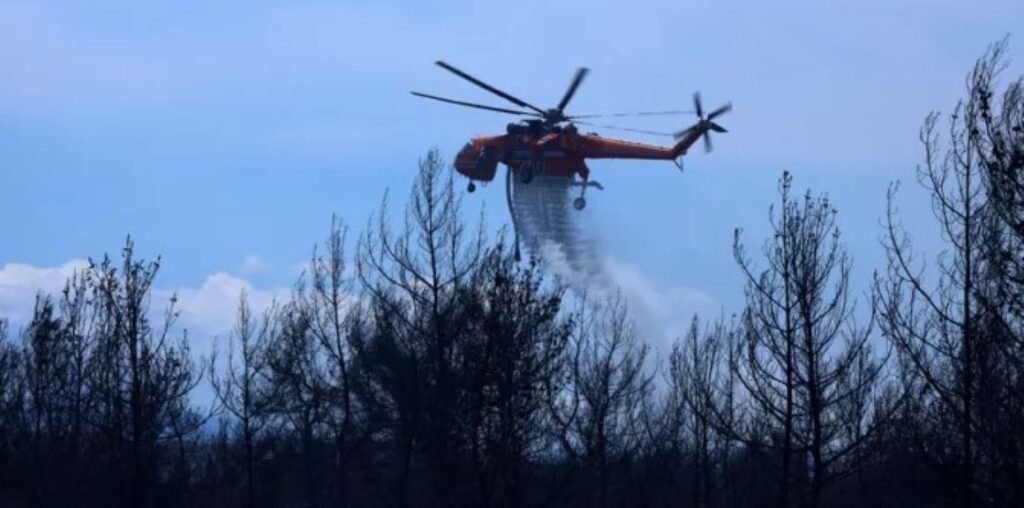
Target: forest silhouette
x=428 y=368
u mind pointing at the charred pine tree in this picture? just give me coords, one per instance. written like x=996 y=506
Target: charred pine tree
x=595 y=416
x=297 y=375
x=996 y=123
x=410 y=277
x=960 y=336
x=140 y=375
x=511 y=352
x=12 y=394
x=55 y=349
x=699 y=380
x=242 y=385
x=803 y=355
x=45 y=402
x=331 y=306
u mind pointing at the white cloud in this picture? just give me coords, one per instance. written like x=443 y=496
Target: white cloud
x=20 y=283
x=206 y=311
x=209 y=310
x=253 y=264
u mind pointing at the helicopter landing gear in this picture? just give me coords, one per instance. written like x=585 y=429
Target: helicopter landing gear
x=581 y=202
x=471 y=187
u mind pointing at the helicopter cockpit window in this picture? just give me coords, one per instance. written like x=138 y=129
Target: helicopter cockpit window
x=469 y=146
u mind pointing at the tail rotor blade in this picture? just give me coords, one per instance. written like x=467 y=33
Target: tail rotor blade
x=705 y=125
x=722 y=110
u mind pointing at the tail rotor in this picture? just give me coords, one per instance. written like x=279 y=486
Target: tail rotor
x=705 y=124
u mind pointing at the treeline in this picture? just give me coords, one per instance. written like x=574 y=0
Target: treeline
x=430 y=369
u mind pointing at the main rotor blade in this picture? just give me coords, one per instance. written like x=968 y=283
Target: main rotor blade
x=489 y=88
x=724 y=109
x=638 y=113
x=474 y=105
x=576 y=80
x=627 y=129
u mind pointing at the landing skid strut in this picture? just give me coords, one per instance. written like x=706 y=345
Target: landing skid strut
x=581 y=202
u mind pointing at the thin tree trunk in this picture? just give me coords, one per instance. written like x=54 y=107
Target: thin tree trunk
x=966 y=332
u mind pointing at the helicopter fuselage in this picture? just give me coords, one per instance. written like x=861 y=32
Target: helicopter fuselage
x=554 y=151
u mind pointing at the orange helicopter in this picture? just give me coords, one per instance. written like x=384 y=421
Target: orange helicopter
x=548 y=143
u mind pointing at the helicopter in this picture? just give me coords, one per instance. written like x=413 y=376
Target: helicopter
x=547 y=142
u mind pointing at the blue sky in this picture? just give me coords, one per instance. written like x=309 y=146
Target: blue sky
x=223 y=135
